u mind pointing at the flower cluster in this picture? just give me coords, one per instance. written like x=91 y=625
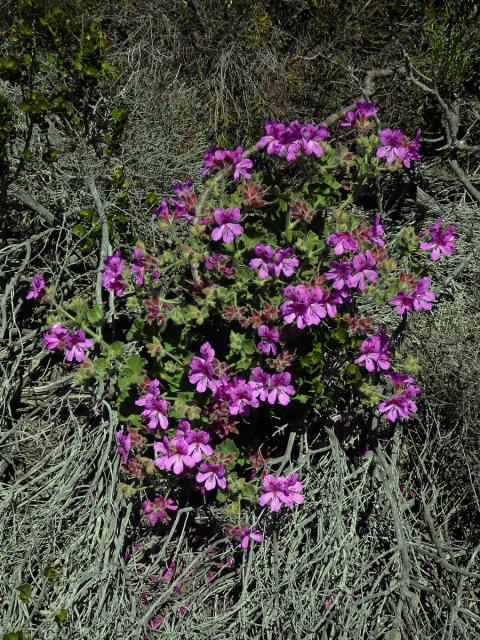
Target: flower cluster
x=281 y=490
x=441 y=240
x=268 y=260
x=396 y=147
x=400 y=405
x=227 y=160
x=112 y=274
x=418 y=297
x=156 y=408
x=289 y=141
x=359 y=117
x=307 y=306
x=74 y=343
x=236 y=394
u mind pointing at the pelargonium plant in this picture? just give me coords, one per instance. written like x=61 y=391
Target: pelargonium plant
x=253 y=327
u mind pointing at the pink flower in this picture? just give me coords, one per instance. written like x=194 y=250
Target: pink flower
x=198 y=444
x=442 y=241
x=339 y=274
x=297 y=300
x=343 y=241
x=264 y=260
x=393 y=146
x=76 y=344
x=269 y=339
x=174 y=455
x=294 y=489
x=112 y=278
x=124 y=445
x=285 y=262
x=157 y=510
x=156 y=408
x=201 y=370
x=138 y=266
x=228 y=228
x=375 y=352
x=211 y=475
x=363 y=269
x=242 y=397
x=37 y=287
x=274 y=492
x=310 y=137
x=280 y=388
x=358 y=117
x=56 y=337
x=396 y=146
x=227 y=159
x=260 y=383
x=246 y=535
x=400 y=405
x=420 y=298
x=375 y=231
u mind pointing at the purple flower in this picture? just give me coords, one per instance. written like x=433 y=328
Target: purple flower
x=242 y=397
x=412 y=149
x=296 y=304
x=138 y=266
x=281 y=141
x=184 y=201
x=269 y=339
x=310 y=136
x=280 y=388
x=402 y=302
x=393 y=145
x=217 y=261
x=157 y=510
x=375 y=231
x=316 y=309
x=245 y=535
x=112 y=278
x=260 y=383
x=228 y=227
x=343 y=241
x=294 y=489
x=227 y=159
x=339 y=273
x=400 y=405
x=56 y=337
x=156 y=408
x=37 y=287
x=198 y=444
x=375 y=352
x=421 y=296
x=285 y=262
x=211 y=476
x=124 y=444
x=161 y=212
x=264 y=260
x=274 y=492
x=363 y=269
x=76 y=345
x=179 y=456
x=201 y=370
x=363 y=111
x=442 y=240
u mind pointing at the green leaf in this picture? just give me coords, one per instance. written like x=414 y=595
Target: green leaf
x=62 y=616
x=25 y=592
x=126 y=490
x=14 y=635
x=340 y=335
x=352 y=374
x=116 y=348
x=132 y=371
x=95 y=314
x=50 y=573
